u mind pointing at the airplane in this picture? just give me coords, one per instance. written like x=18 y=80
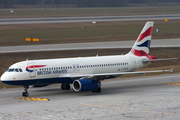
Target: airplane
x=84 y=73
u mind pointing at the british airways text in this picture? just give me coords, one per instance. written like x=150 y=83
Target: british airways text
x=51 y=72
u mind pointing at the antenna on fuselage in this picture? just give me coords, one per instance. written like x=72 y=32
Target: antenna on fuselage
x=27 y=59
x=97 y=55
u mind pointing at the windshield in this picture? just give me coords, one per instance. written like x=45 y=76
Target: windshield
x=14 y=70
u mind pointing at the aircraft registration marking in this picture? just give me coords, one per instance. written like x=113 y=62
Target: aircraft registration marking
x=33 y=99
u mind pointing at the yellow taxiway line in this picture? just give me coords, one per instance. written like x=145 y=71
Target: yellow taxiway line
x=33 y=99
x=173 y=83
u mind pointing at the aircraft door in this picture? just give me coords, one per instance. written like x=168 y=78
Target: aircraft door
x=133 y=63
x=76 y=67
x=31 y=69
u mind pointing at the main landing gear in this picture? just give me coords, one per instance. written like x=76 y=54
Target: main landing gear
x=97 y=90
x=25 y=93
x=65 y=86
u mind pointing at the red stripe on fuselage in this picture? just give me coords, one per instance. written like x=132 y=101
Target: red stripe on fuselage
x=35 y=66
x=148 y=32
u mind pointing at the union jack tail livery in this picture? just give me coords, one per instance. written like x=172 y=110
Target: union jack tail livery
x=142 y=44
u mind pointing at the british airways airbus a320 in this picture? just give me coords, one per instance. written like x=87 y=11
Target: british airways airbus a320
x=83 y=73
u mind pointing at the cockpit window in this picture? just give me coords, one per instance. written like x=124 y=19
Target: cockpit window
x=14 y=70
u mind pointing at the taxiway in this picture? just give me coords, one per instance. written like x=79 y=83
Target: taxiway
x=89 y=45
x=146 y=97
x=87 y=19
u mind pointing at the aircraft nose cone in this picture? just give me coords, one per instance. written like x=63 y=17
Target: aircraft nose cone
x=3 y=77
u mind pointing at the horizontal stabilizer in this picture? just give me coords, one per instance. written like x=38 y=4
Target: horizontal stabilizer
x=146 y=60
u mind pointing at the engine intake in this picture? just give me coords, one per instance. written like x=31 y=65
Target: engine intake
x=86 y=85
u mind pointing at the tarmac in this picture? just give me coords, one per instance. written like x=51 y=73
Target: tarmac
x=138 y=98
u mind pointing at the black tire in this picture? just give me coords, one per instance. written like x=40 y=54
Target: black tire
x=63 y=87
x=67 y=86
x=25 y=94
x=97 y=90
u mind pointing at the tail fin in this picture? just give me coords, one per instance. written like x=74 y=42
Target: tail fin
x=142 y=44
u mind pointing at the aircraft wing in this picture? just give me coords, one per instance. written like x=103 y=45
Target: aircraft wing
x=106 y=75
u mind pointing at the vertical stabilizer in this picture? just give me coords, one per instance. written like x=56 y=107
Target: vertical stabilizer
x=142 y=44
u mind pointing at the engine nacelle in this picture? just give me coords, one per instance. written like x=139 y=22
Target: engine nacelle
x=86 y=85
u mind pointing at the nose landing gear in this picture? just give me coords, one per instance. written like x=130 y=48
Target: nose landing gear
x=25 y=93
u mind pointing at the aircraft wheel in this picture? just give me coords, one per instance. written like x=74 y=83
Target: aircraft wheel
x=97 y=90
x=65 y=86
x=25 y=94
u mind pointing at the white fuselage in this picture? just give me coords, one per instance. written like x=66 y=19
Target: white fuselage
x=50 y=69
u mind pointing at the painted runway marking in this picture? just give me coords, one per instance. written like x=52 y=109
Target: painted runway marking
x=173 y=83
x=99 y=106
x=33 y=99
x=156 y=112
x=8 y=98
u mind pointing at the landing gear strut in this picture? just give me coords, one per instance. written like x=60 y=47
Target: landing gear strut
x=25 y=93
x=65 y=86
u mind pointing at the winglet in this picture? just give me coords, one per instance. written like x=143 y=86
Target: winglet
x=171 y=70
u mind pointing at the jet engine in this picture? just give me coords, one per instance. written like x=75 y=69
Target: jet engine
x=86 y=85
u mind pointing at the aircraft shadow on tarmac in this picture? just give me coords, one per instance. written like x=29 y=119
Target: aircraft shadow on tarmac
x=105 y=90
